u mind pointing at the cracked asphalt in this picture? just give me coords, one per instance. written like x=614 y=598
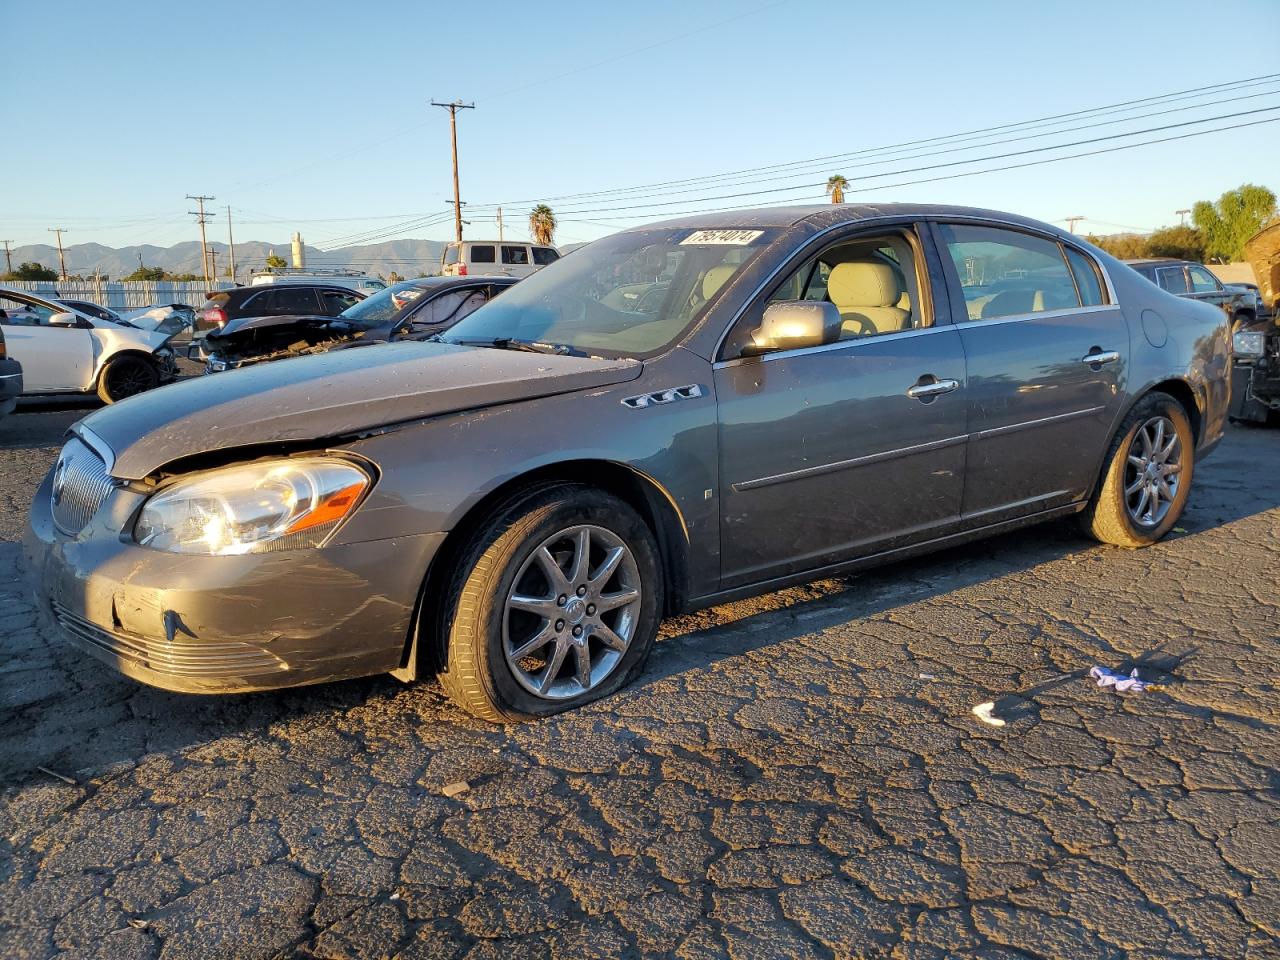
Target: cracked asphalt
x=794 y=776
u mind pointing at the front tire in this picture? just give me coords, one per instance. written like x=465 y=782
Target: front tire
x=555 y=603
x=1147 y=477
x=124 y=376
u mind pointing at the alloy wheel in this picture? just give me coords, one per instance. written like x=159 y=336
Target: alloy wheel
x=572 y=612
x=128 y=379
x=1153 y=471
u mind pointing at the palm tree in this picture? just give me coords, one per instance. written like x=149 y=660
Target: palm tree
x=542 y=224
x=835 y=188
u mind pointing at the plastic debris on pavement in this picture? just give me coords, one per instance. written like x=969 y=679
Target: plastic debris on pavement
x=1122 y=682
x=984 y=712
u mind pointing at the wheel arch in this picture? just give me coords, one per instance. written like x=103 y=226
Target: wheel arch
x=1186 y=395
x=424 y=651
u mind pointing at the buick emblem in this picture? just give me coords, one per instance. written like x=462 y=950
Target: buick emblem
x=59 y=480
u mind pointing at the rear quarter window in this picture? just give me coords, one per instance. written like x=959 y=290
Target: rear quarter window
x=483 y=254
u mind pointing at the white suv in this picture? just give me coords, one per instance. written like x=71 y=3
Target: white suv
x=495 y=258
x=65 y=351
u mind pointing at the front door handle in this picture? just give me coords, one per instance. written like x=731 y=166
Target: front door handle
x=1098 y=357
x=929 y=386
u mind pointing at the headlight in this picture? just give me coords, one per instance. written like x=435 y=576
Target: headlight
x=260 y=507
x=1248 y=343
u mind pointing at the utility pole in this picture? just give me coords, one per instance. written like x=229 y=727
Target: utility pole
x=8 y=257
x=1072 y=221
x=231 y=245
x=453 y=109
x=499 y=224
x=62 y=260
x=199 y=214
x=1182 y=216
x=213 y=263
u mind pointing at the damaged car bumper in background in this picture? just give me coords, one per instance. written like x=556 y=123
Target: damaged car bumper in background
x=223 y=624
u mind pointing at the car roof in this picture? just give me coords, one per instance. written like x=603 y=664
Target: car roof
x=833 y=214
x=265 y=287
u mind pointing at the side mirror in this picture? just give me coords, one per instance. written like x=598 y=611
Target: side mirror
x=794 y=324
x=64 y=319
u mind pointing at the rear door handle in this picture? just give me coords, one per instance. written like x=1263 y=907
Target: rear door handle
x=929 y=387
x=1099 y=357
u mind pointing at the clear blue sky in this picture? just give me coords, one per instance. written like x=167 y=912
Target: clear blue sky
x=314 y=116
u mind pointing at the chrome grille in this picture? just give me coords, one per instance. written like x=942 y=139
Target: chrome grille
x=80 y=485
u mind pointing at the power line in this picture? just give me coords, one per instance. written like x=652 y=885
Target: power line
x=935 y=166
x=950 y=150
x=973 y=134
x=968 y=173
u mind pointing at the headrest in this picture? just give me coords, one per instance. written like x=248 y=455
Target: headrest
x=714 y=279
x=864 y=283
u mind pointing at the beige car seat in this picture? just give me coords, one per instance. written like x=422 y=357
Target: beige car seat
x=867 y=293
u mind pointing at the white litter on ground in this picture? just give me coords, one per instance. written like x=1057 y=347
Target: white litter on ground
x=453 y=789
x=983 y=712
x=1122 y=683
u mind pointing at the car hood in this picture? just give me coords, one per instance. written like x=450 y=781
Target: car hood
x=332 y=395
x=113 y=337
x=241 y=324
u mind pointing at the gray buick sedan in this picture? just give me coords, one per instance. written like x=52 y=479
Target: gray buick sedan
x=671 y=417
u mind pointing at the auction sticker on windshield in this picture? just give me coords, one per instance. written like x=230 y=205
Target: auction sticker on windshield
x=736 y=237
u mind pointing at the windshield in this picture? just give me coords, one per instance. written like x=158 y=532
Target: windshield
x=382 y=307
x=630 y=294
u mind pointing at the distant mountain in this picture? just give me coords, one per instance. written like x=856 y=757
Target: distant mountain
x=408 y=258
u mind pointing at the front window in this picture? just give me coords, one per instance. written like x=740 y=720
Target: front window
x=630 y=294
x=1202 y=281
x=27 y=313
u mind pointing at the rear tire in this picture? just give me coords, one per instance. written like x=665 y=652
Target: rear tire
x=126 y=375
x=532 y=630
x=1147 y=477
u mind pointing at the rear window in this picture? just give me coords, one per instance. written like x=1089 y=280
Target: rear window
x=544 y=255
x=1173 y=279
x=482 y=254
x=1087 y=281
x=451 y=254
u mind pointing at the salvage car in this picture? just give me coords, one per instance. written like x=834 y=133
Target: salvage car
x=10 y=379
x=410 y=309
x=64 y=351
x=513 y=506
x=1255 y=382
x=292 y=299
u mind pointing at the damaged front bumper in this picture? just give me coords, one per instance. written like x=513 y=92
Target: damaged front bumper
x=1255 y=382
x=226 y=624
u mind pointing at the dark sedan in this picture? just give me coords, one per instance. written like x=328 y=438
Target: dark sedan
x=1186 y=278
x=412 y=309
x=672 y=417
